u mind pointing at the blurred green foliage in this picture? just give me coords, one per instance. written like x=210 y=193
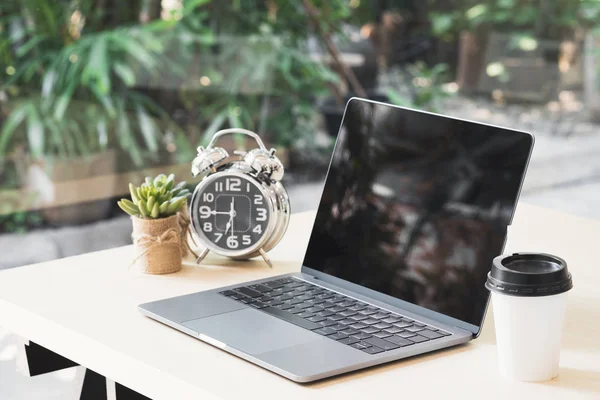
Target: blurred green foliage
x=547 y=19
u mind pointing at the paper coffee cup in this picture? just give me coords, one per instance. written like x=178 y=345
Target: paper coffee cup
x=529 y=294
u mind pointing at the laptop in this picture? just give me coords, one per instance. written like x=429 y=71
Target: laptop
x=414 y=208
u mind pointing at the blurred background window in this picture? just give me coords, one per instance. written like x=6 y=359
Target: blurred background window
x=97 y=93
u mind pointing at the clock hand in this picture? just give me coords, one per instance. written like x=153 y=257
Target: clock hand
x=232 y=213
x=215 y=212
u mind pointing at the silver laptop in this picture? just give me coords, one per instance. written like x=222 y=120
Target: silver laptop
x=415 y=207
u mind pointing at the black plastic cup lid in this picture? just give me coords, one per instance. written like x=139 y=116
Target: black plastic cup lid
x=529 y=275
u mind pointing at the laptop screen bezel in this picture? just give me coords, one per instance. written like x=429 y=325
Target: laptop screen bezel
x=394 y=301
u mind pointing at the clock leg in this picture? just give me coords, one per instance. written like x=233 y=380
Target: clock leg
x=189 y=237
x=201 y=256
x=266 y=258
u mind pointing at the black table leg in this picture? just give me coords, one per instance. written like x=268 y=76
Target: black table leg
x=42 y=361
x=94 y=386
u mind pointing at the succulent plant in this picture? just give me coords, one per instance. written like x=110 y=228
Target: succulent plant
x=155 y=198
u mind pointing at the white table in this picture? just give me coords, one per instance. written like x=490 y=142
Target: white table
x=84 y=308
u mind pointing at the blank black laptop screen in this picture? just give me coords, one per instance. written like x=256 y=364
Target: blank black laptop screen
x=416 y=206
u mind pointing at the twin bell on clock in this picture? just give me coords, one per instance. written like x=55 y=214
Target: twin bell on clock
x=239 y=209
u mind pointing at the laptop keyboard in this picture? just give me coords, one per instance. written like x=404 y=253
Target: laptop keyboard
x=338 y=317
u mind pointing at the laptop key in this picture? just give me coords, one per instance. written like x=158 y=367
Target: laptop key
x=399 y=341
x=382 y=325
x=348 y=313
x=296 y=310
x=430 y=334
x=347 y=322
x=379 y=315
x=373 y=350
x=406 y=334
x=325 y=313
x=370 y=329
x=316 y=318
x=418 y=338
x=359 y=325
x=273 y=284
x=358 y=317
x=228 y=293
x=414 y=329
x=381 y=343
x=358 y=307
x=361 y=335
x=349 y=341
x=367 y=312
x=420 y=325
x=370 y=321
x=391 y=320
x=337 y=317
x=257 y=304
x=347 y=303
x=260 y=288
x=382 y=334
x=402 y=324
x=350 y=331
x=327 y=322
x=285 y=306
x=393 y=329
x=274 y=303
x=294 y=319
x=306 y=314
x=338 y=336
x=337 y=309
x=338 y=327
x=324 y=331
x=361 y=345
x=249 y=292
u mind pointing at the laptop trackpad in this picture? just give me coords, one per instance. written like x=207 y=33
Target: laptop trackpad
x=252 y=331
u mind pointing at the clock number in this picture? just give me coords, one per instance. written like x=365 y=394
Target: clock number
x=257 y=229
x=233 y=184
x=258 y=199
x=218 y=236
x=247 y=187
x=218 y=186
x=246 y=239
x=232 y=242
x=208 y=197
x=262 y=214
x=207 y=227
x=204 y=212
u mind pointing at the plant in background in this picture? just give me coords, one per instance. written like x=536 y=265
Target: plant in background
x=156 y=198
x=422 y=87
x=71 y=72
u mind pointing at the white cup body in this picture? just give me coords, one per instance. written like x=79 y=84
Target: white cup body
x=528 y=335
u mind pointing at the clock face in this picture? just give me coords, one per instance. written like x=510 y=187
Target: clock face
x=232 y=212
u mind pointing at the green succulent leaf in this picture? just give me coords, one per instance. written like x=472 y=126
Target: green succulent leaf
x=155 y=211
x=133 y=192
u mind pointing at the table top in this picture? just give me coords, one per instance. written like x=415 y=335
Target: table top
x=84 y=308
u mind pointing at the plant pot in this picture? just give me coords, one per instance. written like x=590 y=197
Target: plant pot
x=334 y=112
x=184 y=224
x=68 y=205
x=157 y=244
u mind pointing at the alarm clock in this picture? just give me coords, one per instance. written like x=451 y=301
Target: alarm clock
x=239 y=209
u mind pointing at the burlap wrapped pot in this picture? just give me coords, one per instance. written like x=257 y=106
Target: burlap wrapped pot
x=184 y=224
x=157 y=244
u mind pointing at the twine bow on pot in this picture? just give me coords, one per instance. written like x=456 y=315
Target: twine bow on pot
x=157 y=244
